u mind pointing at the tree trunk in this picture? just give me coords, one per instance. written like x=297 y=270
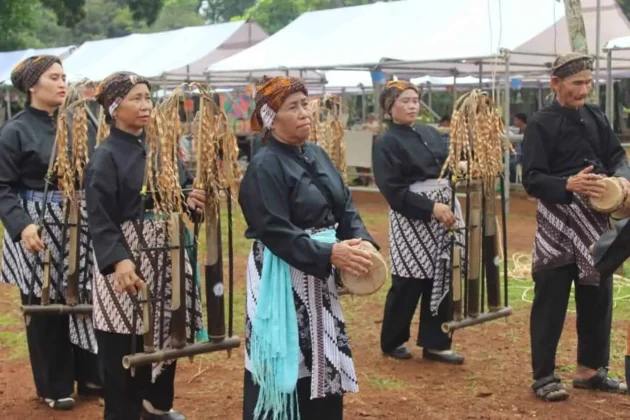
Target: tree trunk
x=577 y=33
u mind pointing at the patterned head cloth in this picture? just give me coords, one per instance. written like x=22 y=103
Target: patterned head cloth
x=114 y=88
x=26 y=74
x=270 y=94
x=571 y=63
x=392 y=91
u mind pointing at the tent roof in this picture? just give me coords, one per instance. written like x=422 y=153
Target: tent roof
x=622 y=43
x=8 y=60
x=174 y=54
x=365 y=36
x=392 y=35
x=536 y=54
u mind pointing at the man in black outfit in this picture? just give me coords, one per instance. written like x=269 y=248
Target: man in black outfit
x=568 y=148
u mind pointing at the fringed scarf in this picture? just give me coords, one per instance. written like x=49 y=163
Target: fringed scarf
x=274 y=340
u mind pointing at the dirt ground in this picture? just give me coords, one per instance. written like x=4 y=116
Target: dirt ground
x=492 y=384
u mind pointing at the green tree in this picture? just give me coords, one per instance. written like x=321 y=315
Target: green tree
x=18 y=20
x=71 y=12
x=274 y=15
x=177 y=14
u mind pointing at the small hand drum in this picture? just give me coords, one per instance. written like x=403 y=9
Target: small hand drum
x=612 y=200
x=367 y=284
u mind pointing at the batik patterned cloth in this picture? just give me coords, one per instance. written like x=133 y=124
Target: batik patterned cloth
x=325 y=353
x=564 y=234
x=421 y=249
x=114 y=312
x=17 y=263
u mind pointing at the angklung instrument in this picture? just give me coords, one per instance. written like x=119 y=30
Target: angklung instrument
x=327 y=131
x=477 y=138
x=66 y=167
x=217 y=172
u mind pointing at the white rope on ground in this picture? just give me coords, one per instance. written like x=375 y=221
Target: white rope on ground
x=521 y=272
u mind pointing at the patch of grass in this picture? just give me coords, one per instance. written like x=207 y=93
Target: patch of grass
x=15 y=342
x=9 y=320
x=385 y=382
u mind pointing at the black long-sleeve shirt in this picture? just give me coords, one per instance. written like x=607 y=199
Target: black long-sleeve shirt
x=113 y=181
x=402 y=156
x=560 y=142
x=280 y=201
x=26 y=145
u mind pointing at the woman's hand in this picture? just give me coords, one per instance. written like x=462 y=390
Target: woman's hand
x=346 y=256
x=443 y=213
x=31 y=240
x=196 y=200
x=126 y=279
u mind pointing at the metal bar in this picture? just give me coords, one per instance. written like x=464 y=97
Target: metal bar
x=449 y=327
x=597 y=45
x=505 y=251
x=144 y=359
x=506 y=155
x=56 y=309
x=610 y=108
x=230 y=263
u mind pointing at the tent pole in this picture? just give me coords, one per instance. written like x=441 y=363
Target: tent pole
x=597 y=47
x=363 y=104
x=610 y=103
x=481 y=75
x=506 y=110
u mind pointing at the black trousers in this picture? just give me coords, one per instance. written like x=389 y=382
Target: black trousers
x=124 y=393
x=594 y=319
x=56 y=362
x=400 y=307
x=328 y=408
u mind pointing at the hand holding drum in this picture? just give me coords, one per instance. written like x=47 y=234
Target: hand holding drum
x=368 y=273
x=346 y=256
x=614 y=198
x=587 y=183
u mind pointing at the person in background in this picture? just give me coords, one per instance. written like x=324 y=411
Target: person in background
x=520 y=122
x=445 y=122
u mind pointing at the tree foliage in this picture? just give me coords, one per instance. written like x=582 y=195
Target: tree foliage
x=16 y=22
x=274 y=15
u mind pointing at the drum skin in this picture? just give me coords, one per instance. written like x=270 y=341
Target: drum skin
x=370 y=283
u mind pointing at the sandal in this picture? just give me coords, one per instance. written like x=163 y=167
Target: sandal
x=550 y=389
x=601 y=382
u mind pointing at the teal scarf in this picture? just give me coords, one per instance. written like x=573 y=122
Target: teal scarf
x=275 y=347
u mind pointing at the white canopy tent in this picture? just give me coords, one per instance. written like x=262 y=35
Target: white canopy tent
x=616 y=46
x=172 y=56
x=461 y=37
x=8 y=60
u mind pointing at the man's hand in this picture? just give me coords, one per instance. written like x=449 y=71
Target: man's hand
x=586 y=183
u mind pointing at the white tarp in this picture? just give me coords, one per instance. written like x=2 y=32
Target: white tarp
x=439 y=37
x=536 y=54
x=176 y=54
x=8 y=60
x=622 y=43
x=364 y=36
